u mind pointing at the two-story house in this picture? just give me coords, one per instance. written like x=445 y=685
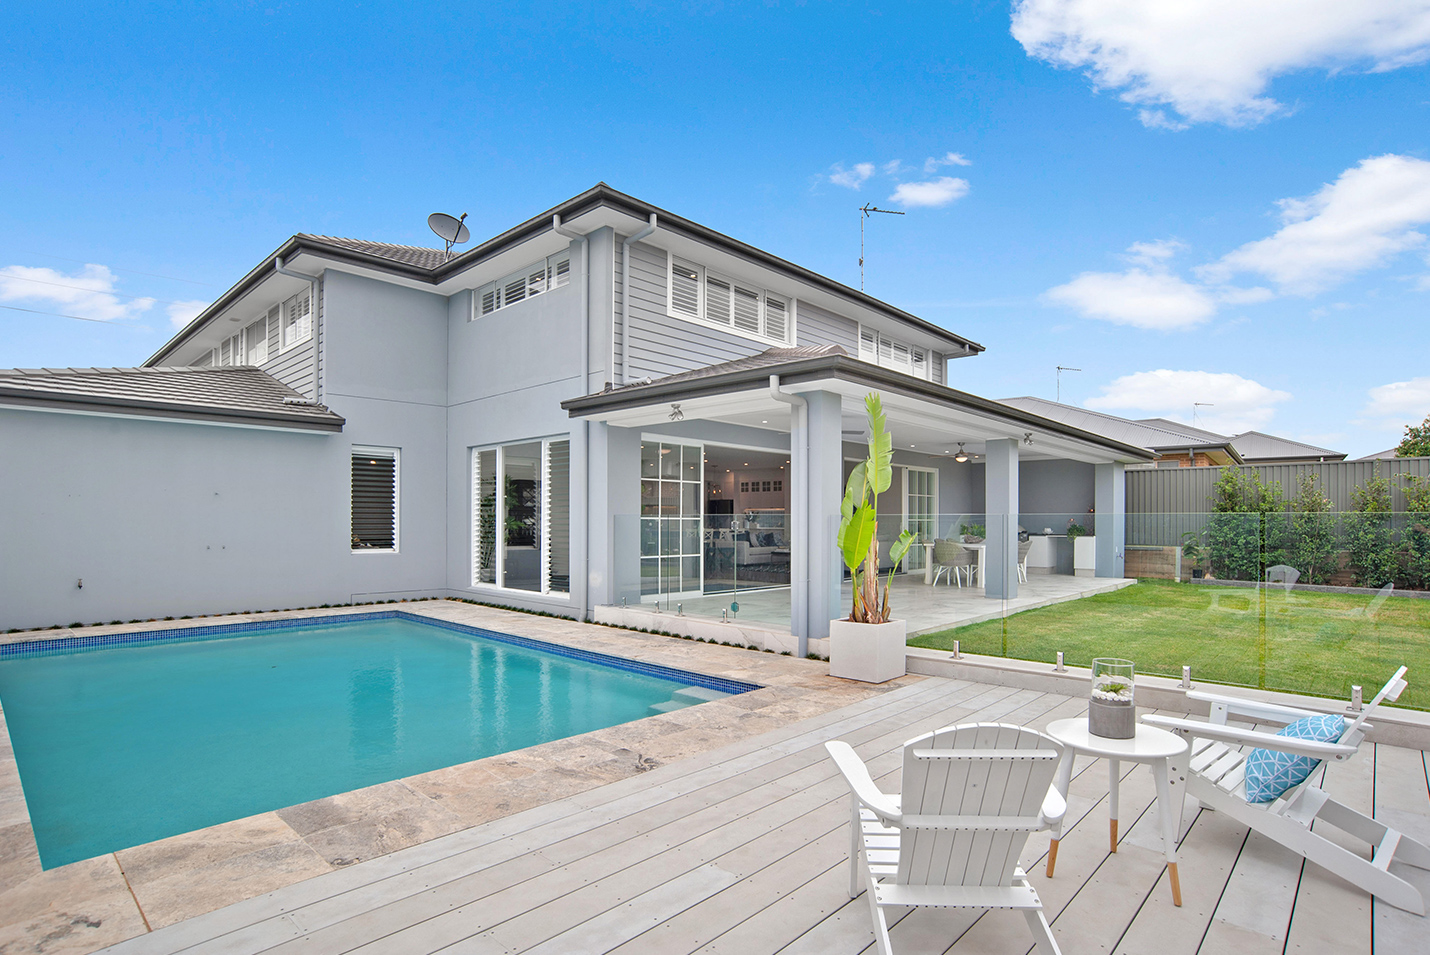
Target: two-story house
x=607 y=404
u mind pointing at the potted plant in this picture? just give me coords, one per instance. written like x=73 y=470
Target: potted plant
x=1192 y=551
x=868 y=645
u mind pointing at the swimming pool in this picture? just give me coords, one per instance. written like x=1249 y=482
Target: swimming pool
x=126 y=739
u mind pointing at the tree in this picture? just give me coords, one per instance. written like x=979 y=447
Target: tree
x=1368 y=532
x=1244 y=534
x=1416 y=443
x=1417 y=531
x=1312 y=548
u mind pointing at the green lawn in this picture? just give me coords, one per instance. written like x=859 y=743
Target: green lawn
x=1312 y=643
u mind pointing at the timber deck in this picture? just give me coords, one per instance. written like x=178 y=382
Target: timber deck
x=741 y=850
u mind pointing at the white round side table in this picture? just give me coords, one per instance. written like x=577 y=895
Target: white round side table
x=1163 y=752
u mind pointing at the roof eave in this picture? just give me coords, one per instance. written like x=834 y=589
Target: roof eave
x=100 y=404
x=836 y=366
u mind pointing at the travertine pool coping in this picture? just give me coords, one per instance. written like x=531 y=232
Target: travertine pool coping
x=78 y=908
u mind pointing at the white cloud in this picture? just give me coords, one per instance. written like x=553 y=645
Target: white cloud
x=181 y=313
x=1153 y=253
x=1356 y=223
x=932 y=165
x=1402 y=400
x=1211 y=60
x=893 y=167
x=1237 y=404
x=88 y=293
x=1144 y=298
x=934 y=193
x=851 y=178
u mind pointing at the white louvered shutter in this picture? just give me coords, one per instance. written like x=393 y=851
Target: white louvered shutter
x=921 y=363
x=684 y=290
x=514 y=291
x=561 y=271
x=747 y=310
x=491 y=299
x=868 y=346
x=776 y=319
x=536 y=280
x=717 y=300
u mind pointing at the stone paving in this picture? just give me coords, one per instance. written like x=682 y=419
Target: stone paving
x=78 y=908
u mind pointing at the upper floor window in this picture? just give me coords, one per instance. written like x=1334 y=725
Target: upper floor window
x=887 y=353
x=549 y=273
x=706 y=296
x=249 y=346
x=296 y=322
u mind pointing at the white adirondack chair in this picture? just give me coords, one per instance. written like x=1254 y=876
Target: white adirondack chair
x=971 y=795
x=1217 y=777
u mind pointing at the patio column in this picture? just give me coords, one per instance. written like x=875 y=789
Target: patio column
x=1110 y=499
x=1000 y=480
x=825 y=489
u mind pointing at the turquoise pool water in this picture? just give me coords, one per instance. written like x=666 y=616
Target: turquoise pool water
x=121 y=746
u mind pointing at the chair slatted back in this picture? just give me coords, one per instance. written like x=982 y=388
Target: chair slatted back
x=1005 y=791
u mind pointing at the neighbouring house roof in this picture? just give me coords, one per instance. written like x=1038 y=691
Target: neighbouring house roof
x=232 y=395
x=1154 y=434
x=815 y=363
x=1255 y=446
x=432 y=267
x=1386 y=455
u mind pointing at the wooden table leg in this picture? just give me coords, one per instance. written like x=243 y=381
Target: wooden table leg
x=1114 y=768
x=1064 y=782
x=1171 y=812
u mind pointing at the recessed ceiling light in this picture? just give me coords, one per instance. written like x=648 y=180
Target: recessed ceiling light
x=763 y=421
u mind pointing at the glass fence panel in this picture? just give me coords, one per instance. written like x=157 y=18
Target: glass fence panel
x=1301 y=601
x=733 y=567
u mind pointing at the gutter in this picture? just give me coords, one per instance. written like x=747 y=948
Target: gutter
x=585 y=241
x=799 y=516
x=312 y=313
x=128 y=407
x=645 y=233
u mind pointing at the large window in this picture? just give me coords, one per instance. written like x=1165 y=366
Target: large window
x=706 y=296
x=549 y=273
x=887 y=353
x=250 y=345
x=375 y=500
x=521 y=516
x=672 y=492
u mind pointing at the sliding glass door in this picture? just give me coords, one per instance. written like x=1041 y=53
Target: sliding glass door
x=521 y=516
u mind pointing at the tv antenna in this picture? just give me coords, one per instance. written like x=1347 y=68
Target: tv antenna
x=1061 y=369
x=1199 y=404
x=866 y=209
x=450 y=230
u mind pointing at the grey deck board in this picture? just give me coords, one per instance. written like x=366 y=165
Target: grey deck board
x=1402 y=800
x=742 y=851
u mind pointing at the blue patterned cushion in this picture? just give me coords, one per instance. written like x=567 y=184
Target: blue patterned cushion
x=1269 y=773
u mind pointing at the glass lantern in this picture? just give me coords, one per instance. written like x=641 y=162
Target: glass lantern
x=1110 y=712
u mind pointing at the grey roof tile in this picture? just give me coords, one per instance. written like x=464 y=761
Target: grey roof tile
x=417 y=255
x=1151 y=433
x=1255 y=445
x=767 y=358
x=233 y=392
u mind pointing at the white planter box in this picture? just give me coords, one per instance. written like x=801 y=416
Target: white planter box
x=870 y=652
x=1085 y=556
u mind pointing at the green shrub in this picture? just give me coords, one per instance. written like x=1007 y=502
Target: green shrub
x=1245 y=533
x=1368 y=532
x=1416 y=536
x=1312 y=545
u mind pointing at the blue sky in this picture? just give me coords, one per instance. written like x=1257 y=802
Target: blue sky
x=1189 y=204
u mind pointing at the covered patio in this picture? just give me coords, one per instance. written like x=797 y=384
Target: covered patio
x=965 y=467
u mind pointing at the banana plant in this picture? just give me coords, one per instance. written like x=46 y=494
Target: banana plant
x=858 y=537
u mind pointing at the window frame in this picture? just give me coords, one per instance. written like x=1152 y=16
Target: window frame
x=554 y=278
x=703 y=275
x=396 y=455
x=919 y=357
x=284 y=343
x=499 y=520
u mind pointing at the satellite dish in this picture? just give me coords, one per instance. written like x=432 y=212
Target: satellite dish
x=449 y=229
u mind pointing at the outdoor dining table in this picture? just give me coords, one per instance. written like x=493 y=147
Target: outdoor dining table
x=980 y=549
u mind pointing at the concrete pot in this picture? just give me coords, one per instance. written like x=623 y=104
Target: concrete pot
x=869 y=652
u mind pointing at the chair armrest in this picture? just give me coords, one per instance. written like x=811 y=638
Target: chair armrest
x=1238 y=736
x=1054 y=807
x=856 y=774
x=1236 y=706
